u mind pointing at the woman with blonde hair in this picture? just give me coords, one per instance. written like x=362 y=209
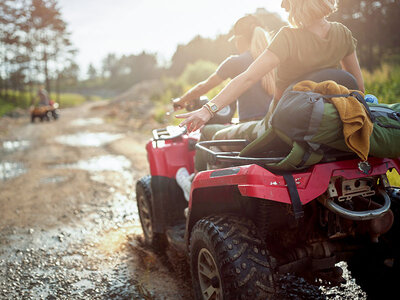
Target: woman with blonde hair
x=310 y=44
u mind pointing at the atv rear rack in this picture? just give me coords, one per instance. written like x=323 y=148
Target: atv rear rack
x=168 y=133
x=215 y=156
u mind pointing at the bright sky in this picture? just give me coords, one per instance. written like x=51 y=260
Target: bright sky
x=100 y=27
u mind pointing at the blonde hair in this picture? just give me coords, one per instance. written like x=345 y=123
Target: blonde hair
x=259 y=42
x=303 y=13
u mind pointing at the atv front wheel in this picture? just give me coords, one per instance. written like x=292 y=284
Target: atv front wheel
x=229 y=261
x=143 y=198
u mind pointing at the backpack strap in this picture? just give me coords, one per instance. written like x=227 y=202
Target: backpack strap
x=361 y=99
x=306 y=157
x=294 y=196
x=378 y=111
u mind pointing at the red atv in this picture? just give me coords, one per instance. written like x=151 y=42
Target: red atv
x=45 y=112
x=245 y=225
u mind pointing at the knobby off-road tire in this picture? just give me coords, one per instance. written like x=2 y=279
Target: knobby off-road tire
x=55 y=115
x=228 y=261
x=143 y=198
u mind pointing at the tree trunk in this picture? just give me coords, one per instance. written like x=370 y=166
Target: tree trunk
x=58 y=88
x=46 y=72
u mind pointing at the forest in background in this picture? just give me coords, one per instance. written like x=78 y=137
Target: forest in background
x=36 y=48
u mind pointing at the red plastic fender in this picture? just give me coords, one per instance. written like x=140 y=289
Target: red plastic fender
x=167 y=156
x=255 y=181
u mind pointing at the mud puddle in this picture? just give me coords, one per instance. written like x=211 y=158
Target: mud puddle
x=88 y=139
x=12 y=146
x=9 y=170
x=107 y=169
x=87 y=122
x=84 y=260
x=53 y=179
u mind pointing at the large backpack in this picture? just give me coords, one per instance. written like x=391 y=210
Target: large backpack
x=306 y=128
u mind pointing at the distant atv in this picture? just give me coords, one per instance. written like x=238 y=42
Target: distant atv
x=45 y=113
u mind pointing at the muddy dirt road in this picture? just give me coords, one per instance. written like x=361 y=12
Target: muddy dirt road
x=69 y=227
x=68 y=218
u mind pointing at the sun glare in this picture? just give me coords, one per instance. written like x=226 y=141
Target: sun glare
x=156 y=26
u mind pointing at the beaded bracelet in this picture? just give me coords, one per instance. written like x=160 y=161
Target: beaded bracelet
x=209 y=110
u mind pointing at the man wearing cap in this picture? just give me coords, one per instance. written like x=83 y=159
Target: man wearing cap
x=253 y=104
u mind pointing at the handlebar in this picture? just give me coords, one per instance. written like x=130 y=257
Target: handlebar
x=168 y=133
x=193 y=104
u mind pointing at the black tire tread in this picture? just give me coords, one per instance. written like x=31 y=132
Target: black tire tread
x=246 y=267
x=157 y=241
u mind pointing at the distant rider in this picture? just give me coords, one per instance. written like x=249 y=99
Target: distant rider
x=44 y=99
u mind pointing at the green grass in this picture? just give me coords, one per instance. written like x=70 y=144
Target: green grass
x=23 y=100
x=384 y=83
x=5 y=107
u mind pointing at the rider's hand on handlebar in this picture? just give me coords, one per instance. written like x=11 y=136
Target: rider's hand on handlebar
x=178 y=104
x=195 y=120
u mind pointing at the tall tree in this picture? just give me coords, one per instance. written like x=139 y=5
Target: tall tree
x=34 y=44
x=50 y=35
x=91 y=72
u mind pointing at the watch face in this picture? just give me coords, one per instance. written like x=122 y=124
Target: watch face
x=214 y=108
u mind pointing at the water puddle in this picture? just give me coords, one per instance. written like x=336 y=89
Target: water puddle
x=10 y=170
x=87 y=139
x=54 y=179
x=11 y=146
x=116 y=163
x=83 y=284
x=106 y=169
x=87 y=122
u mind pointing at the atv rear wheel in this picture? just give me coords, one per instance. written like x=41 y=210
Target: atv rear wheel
x=229 y=261
x=143 y=198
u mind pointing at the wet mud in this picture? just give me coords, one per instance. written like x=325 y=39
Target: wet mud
x=69 y=227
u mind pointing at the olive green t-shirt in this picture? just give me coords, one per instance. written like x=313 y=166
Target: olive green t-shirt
x=300 y=51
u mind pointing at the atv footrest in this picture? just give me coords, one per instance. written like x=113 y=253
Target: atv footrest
x=176 y=237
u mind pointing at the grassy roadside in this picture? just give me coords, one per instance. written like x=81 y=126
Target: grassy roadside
x=23 y=100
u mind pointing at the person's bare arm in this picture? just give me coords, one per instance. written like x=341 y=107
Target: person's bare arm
x=350 y=64
x=264 y=64
x=198 y=90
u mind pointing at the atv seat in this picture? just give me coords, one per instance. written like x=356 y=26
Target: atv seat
x=223 y=159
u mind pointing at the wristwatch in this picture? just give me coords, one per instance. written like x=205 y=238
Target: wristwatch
x=212 y=106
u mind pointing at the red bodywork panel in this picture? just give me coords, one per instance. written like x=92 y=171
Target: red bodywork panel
x=166 y=157
x=255 y=181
